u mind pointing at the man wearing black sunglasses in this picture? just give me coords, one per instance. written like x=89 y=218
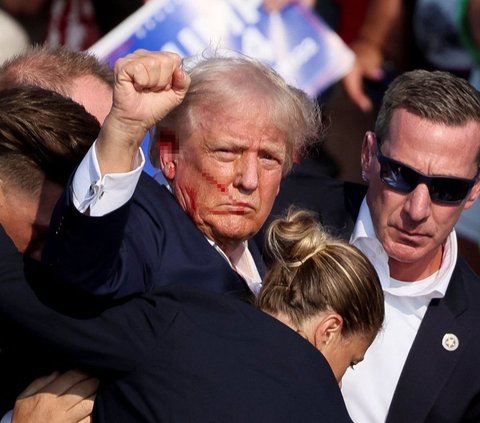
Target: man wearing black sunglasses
x=421 y=166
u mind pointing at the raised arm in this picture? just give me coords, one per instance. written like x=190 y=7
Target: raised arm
x=148 y=85
x=96 y=242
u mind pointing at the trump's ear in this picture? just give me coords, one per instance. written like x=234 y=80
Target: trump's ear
x=168 y=166
x=167 y=149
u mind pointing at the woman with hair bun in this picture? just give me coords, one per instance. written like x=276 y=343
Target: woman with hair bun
x=323 y=288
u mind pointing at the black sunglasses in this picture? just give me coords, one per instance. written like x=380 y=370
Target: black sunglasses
x=442 y=189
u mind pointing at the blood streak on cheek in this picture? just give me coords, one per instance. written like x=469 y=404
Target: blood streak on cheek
x=222 y=188
x=212 y=181
x=192 y=196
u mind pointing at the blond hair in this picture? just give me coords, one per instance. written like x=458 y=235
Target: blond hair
x=314 y=272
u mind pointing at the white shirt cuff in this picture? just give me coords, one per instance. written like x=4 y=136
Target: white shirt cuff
x=100 y=195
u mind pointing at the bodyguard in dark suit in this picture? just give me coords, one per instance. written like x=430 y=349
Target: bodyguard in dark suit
x=185 y=355
x=88 y=82
x=421 y=166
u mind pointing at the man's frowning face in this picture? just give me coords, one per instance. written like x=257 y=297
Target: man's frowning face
x=228 y=174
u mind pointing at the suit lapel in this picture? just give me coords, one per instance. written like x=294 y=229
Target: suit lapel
x=429 y=364
x=257 y=258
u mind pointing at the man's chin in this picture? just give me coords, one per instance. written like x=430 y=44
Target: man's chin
x=233 y=235
x=403 y=252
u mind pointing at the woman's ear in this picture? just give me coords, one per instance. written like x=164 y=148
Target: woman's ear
x=328 y=330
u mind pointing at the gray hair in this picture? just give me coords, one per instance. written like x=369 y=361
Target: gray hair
x=237 y=82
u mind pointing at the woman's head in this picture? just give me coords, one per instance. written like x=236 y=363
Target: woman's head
x=324 y=288
x=43 y=138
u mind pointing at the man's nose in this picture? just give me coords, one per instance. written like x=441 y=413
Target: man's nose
x=247 y=173
x=418 y=204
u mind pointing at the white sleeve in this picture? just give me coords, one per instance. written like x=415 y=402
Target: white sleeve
x=98 y=195
x=7 y=418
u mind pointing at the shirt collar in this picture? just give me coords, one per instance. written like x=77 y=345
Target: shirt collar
x=242 y=262
x=435 y=286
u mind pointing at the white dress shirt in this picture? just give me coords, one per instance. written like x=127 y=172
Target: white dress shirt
x=99 y=195
x=242 y=262
x=368 y=388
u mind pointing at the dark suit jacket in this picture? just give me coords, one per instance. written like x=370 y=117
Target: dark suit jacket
x=22 y=359
x=183 y=355
x=435 y=385
x=11 y=383
x=148 y=243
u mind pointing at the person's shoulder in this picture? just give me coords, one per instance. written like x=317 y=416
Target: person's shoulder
x=227 y=314
x=224 y=313
x=465 y=273
x=465 y=270
x=465 y=286
x=247 y=341
x=220 y=310
x=147 y=184
x=155 y=198
x=11 y=261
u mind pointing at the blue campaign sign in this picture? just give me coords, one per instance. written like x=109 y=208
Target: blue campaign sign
x=295 y=42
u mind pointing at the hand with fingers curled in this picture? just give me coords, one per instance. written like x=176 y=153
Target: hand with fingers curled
x=148 y=85
x=57 y=398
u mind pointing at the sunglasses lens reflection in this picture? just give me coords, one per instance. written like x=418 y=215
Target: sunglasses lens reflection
x=405 y=179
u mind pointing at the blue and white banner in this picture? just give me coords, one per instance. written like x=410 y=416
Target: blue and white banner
x=295 y=42
x=298 y=44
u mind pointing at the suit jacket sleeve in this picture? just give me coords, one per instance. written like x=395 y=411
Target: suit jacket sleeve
x=11 y=262
x=106 y=256
x=115 y=340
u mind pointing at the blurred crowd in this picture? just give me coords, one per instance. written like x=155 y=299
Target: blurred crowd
x=388 y=163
